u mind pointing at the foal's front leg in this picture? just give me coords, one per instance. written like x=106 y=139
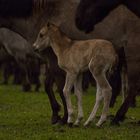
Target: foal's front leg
x=70 y=79
x=78 y=93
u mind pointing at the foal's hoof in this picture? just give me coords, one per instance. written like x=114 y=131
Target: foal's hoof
x=87 y=124
x=98 y=125
x=76 y=124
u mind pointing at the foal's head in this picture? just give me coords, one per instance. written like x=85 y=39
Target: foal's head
x=44 y=37
x=90 y=12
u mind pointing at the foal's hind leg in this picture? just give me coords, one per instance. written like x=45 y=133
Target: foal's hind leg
x=78 y=93
x=106 y=92
x=99 y=97
x=98 y=70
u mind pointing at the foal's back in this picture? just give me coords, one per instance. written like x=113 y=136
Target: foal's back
x=93 y=45
x=87 y=49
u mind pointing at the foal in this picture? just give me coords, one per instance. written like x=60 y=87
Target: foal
x=75 y=57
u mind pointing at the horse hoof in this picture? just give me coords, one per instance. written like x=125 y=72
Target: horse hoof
x=63 y=121
x=86 y=125
x=76 y=124
x=70 y=125
x=55 y=119
x=26 y=88
x=114 y=123
x=98 y=125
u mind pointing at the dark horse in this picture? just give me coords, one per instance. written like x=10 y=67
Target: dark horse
x=20 y=8
x=91 y=12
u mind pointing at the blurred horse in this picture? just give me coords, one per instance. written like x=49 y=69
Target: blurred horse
x=91 y=12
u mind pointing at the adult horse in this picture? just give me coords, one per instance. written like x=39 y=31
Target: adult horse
x=21 y=51
x=16 y=8
x=91 y=12
x=24 y=17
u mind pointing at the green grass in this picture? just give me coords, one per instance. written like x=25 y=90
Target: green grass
x=26 y=116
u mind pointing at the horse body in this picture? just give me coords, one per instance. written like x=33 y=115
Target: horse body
x=75 y=57
x=99 y=10
x=20 y=50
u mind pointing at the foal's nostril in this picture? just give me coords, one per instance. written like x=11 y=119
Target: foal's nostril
x=34 y=45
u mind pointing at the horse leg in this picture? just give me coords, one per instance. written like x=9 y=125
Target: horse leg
x=60 y=81
x=6 y=74
x=107 y=92
x=120 y=115
x=37 y=82
x=70 y=79
x=54 y=104
x=78 y=93
x=104 y=90
x=99 y=97
x=25 y=78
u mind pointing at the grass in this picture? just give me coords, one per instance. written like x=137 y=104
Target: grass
x=26 y=116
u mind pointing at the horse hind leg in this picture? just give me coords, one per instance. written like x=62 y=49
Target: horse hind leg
x=106 y=93
x=99 y=97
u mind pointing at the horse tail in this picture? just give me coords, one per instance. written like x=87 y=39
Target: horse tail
x=120 y=62
x=124 y=82
x=123 y=73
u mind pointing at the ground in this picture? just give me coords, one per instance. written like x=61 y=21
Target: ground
x=26 y=116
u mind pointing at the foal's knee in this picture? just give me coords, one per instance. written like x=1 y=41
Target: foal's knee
x=107 y=93
x=66 y=92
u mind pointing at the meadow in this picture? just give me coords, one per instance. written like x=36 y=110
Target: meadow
x=26 y=116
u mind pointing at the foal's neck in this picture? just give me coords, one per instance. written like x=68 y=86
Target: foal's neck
x=60 y=42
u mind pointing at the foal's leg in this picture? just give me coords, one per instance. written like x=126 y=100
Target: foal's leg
x=70 y=79
x=99 y=97
x=98 y=69
x=106 y=92
x=78 y=93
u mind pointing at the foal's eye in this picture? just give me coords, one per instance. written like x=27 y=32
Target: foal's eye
x=41 y=35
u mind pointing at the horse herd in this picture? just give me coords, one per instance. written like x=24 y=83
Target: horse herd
x=68 y=59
